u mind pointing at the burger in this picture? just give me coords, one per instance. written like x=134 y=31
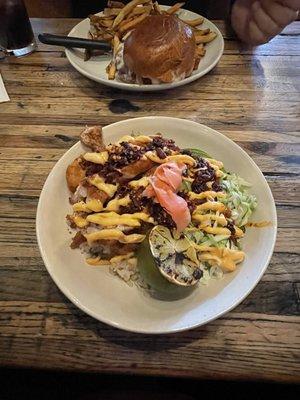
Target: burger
x=161 y=49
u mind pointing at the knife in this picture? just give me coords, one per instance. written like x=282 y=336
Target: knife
x=68 y=41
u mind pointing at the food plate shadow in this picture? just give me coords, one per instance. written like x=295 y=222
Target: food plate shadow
x=136 y=341
x=98 y=90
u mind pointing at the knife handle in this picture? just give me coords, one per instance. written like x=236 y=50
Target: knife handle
x=68 y=41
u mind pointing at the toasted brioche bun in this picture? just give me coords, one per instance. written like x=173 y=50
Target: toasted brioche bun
x=162 y=47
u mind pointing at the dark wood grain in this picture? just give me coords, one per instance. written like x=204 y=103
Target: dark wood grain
x=253 y=97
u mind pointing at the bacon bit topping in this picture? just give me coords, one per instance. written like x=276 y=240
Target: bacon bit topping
x=204 y=174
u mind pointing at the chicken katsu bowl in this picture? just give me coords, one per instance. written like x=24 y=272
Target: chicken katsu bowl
x=155 y=224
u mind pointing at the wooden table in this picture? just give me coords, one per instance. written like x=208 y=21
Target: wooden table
x=252 y=96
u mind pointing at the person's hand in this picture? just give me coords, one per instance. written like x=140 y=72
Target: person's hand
x=257 y=21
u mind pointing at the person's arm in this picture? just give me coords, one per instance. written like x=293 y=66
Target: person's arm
x=258 y=21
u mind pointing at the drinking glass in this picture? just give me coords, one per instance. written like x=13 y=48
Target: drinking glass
x=16 y=36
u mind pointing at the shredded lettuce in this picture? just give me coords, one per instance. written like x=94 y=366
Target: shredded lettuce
x=196 y=236
x=214 y=240
x=241 y=203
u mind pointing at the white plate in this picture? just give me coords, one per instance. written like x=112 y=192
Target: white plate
x=95 y=68
x=109 y=299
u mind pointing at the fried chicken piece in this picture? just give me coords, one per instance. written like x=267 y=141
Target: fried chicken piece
x=77 y=240
x=136 y=168
x=96 y=194
x=116 y=248
x=151 y=171
x=74 y=175
x=92 y=138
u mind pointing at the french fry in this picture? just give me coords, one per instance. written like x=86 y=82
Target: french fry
x=136 y=11
x=157 y=8
x=94 y=18
x=111 y=11
x=126 y=10
x=200 y=32
x=140 y=10
x=131 y=24
x=194 y=22
x=99 y=18
x=111 y=71
x=205 y=38
x=105 y=36
x=126 y=36
x=115 y=44
x=197 y=62
x=115 y=4
x=125 y=22
x=101 y=30
x=201 y=50
x=175 y=8
x=106 y=23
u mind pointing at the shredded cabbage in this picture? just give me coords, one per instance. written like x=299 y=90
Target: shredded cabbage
x=195 y=236
x=241 y=203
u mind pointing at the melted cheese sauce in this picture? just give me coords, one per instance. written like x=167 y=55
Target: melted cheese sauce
x=96 y=158
x=112 y=218
x=97 y=261
x=115 y=204
x=238 y=232
x=140 y=139
x=94 y=205
x=113 y=260
x=108 y=188
x=118 y=259
x=215 y=163
x=216 y=230
x=227 y=259
x=210 y=194
x=210 y=205
x=114 y=234
x=143 y=182
x=261 y=224
x=220 y=219
x=90 y=206
x=79 y=221
x=81 y=207
x=180 y=158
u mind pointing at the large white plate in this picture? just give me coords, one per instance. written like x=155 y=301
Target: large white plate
x=95 y=68
x=106 y=297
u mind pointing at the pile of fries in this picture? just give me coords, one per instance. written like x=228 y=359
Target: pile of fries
x=118 y=19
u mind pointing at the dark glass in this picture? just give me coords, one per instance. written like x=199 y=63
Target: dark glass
x=15 y=28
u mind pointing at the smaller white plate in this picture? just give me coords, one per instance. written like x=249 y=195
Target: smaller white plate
x=108 y=298
x=95 y=67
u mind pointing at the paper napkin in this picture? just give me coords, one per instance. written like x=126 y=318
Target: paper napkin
x=3 y=92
